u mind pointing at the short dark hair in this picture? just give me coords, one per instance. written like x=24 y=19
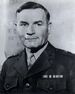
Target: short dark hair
x=33 y=5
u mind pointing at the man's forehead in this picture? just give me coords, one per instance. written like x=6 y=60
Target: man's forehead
x=34 y=13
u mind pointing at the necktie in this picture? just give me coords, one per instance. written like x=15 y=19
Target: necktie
x=31 y=61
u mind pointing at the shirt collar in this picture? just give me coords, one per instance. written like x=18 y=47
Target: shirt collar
x=38 y=53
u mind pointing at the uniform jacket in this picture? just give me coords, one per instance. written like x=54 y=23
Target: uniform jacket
x=52 y=73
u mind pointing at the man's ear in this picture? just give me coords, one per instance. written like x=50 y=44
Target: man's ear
x=49 y=27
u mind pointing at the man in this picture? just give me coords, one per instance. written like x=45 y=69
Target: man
x=39 y=68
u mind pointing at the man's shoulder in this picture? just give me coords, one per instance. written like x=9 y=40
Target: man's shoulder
x=58 y=51
x=12 y=59
x=63 y=53
x=65 y=57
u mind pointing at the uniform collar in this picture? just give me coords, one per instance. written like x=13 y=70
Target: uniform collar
x=37 y=54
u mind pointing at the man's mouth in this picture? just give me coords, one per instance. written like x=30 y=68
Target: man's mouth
x=31 y=38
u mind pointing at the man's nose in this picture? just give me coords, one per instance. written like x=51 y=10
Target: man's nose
x=30 y=30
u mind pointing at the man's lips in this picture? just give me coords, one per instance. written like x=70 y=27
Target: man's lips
x=31 y=38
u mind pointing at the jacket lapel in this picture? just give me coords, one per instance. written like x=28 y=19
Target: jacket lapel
x=43 y=62
x=21 y=65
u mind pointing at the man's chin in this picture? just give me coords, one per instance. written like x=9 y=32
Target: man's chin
x=31 y=46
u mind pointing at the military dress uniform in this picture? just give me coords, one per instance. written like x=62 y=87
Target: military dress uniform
x=52 y=73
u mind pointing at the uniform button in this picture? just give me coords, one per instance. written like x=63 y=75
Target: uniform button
x=27 y=85
x=50 y=88
x=7 y=85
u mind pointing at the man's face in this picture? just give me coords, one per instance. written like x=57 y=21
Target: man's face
x=32 y=27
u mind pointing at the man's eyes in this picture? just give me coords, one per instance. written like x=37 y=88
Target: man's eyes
x=39 y=23
x=36 y=23
x=23 y=24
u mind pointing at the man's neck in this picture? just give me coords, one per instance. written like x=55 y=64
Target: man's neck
x=36 y=51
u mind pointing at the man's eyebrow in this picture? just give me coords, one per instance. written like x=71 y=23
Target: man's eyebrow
x=23 y=22
x=39 y=21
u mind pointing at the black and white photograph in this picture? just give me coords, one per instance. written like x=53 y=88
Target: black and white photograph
x=37 y=53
